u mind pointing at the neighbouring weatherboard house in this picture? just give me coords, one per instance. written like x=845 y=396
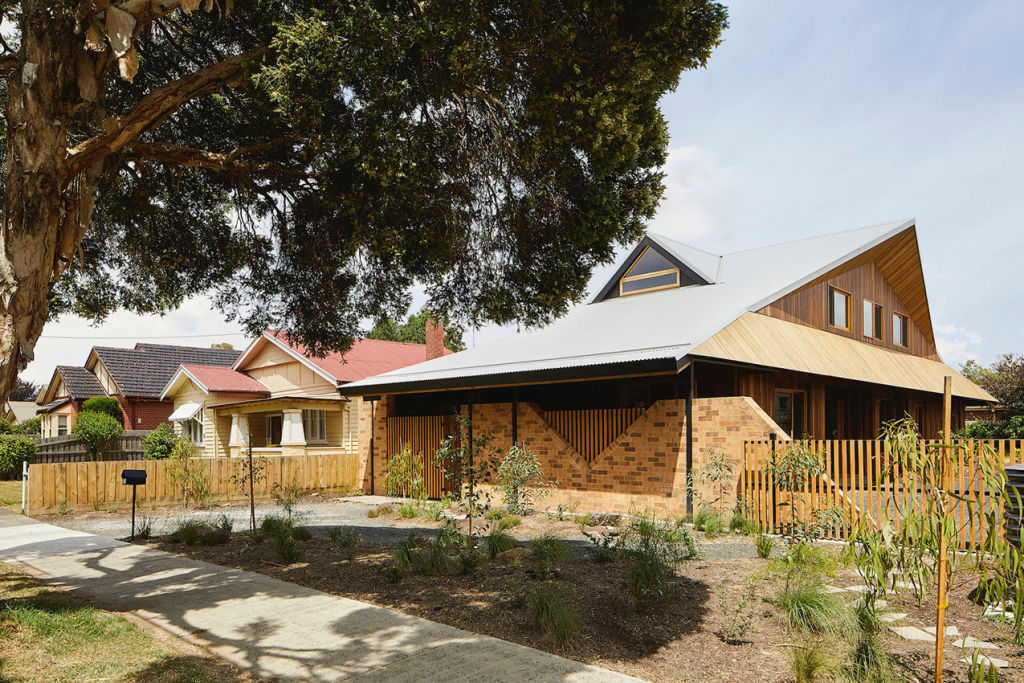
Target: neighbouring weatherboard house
x=828 y=337
x=134 y=376
x=279 y=399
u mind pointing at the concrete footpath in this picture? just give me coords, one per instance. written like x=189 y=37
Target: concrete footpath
x=272 y=628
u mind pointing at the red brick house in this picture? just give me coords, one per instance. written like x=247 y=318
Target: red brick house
x=134 y=376
x=683 y=353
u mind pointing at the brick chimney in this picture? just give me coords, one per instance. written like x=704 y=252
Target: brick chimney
x=435 y=339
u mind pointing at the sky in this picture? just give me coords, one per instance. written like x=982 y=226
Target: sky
x=811 y=117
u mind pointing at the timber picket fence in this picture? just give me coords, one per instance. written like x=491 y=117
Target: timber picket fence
x=89 y=485
x=858 y=481
x=68 y=448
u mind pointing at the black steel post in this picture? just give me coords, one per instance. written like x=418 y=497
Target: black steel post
x=373 y=424
x=515 y=416
x=689 y=446
x=133 y=511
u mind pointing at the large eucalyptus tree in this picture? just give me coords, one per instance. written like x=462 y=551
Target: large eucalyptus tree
x=308 y=161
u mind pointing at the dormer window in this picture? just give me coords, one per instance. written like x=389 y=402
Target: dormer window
x=650 y=272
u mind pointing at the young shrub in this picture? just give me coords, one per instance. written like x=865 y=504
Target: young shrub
x=97 y=431
x=700 y=519
x=521 y=480
x=286 y=547
x=64 y=509
x=217 y=534
x=469 y=561
x=345 y=537
x=433 y=560
x=651 y=581
x=144 y=529
x=405 y=552
x=449 y=536
x=106 y=405
x=869 y=661
x=15 y=450
x=809 y=608
x=763 y=544
x=188 y=475
x=509 y=522
x=545 y=553
x=809 y=557
x=498 y=542
x=301 y=533
x=713 y=526
x=381 y=510
x=552 y=617
x=408 y=510
x=605 y=546
x=404 y=475
x=515 y=594
x=287 y=495
x=809 y=663
x=187 y=532
x=739 y=616
x=435 y=512
x=159 y=443
x=741 y=524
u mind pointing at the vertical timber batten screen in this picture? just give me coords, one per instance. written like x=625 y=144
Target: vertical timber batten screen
x=423 y=435
x=590 y=432
x=856 y=478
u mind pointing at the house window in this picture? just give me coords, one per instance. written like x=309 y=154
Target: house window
x=62 y=425
x=899 y=329
x=274 y=423
x=789 y=412
x=314 y=424
x=872 y=320
x=193 y=429
x=838 y=308
x=651 y=271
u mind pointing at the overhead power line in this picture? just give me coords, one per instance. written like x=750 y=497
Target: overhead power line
x=161 y=336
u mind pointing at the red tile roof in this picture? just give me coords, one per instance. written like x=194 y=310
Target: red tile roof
x=366 y=358
x=216 y=378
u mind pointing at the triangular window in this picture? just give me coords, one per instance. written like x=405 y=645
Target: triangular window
x=649 y=272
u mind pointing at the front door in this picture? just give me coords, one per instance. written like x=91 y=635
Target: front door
x=789 y=412
x=835 y=418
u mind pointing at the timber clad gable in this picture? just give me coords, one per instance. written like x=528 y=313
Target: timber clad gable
x=809 y=306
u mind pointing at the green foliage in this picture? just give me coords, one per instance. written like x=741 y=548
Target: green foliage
x=435 y=511
x=433 y=560
x=700 y=519
x=646 y=536
x=715 y=476
x=1012 y=428
x=521 y=480
x=868 y=659
x=467 y=465
x=449 y=536
x=413 y=331
x=187 y=474
x=106 y=405
x=159 y=443
x=738 y=615
x=381 y=510
x=981 y=671
x=287 y=495
x=218 y=533
x=497 y=542
x=97 y=431
x=144 y=528
x=404 y=474
x=808 y=607
x=1004 y=379
x=469 y=561
x=805 y=557
x=651 y=582
x=64 y=509
x=33 y=425
x=286 y=548
x=552 y=617
x=810 y=662
x=545 y=553
x=408 y=510
x=713 y=526
x=345 y=537
x=403 y=556
x=15 y=450
x=188 y=532
x=790 y=470
x=741 y=524
x=763 y=544
x=24 y=390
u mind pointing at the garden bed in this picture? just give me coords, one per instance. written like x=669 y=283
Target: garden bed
x=682 y=639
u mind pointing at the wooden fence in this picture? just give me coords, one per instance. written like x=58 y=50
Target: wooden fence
x=591 y=431
x=85 y=485
x=68 y=448
x=423 y=436
x=858 y=481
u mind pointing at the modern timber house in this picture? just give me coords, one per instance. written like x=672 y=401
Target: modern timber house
x=683 y=353
x=279 y=399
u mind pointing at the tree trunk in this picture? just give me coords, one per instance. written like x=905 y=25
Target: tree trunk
x=44 y=215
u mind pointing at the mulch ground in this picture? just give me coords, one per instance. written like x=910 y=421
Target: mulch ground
x=679 y=642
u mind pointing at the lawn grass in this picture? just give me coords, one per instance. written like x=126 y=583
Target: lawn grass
x=10 y=493
x=49 y=635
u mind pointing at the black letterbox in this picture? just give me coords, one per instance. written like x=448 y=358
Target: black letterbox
x=133 y=477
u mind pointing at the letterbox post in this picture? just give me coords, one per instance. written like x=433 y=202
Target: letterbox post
x=133 y=478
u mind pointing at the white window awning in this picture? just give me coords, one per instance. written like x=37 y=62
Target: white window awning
x=186 y=411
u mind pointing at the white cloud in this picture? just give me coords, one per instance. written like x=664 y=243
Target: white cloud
x=699 y=195
x=196 y=316
x=956 y=344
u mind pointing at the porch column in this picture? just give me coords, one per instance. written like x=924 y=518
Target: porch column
x=293 y=437
x=239 y=439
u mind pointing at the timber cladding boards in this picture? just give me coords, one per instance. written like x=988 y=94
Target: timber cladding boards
x=889 y=275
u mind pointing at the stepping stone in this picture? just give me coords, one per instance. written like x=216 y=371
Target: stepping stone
x=857 y=589
x=972 y=643
x=889 y=617
x=950 y=630
x=882 y=604
x=995 y=612
x=982 y=659
x=912 y=633
x=833 y=589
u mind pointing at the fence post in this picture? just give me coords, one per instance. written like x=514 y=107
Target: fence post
x=24 y=487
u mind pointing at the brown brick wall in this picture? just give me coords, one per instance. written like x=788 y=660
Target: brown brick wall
x=147 y=414
x=644 y=468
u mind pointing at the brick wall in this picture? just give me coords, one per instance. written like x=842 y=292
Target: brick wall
x=147 y=414
x=644 y=468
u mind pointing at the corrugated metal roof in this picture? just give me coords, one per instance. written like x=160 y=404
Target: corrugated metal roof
x=671 y=321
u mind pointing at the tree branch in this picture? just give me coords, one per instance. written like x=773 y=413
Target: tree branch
x=155 y=106
x=165 y=152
